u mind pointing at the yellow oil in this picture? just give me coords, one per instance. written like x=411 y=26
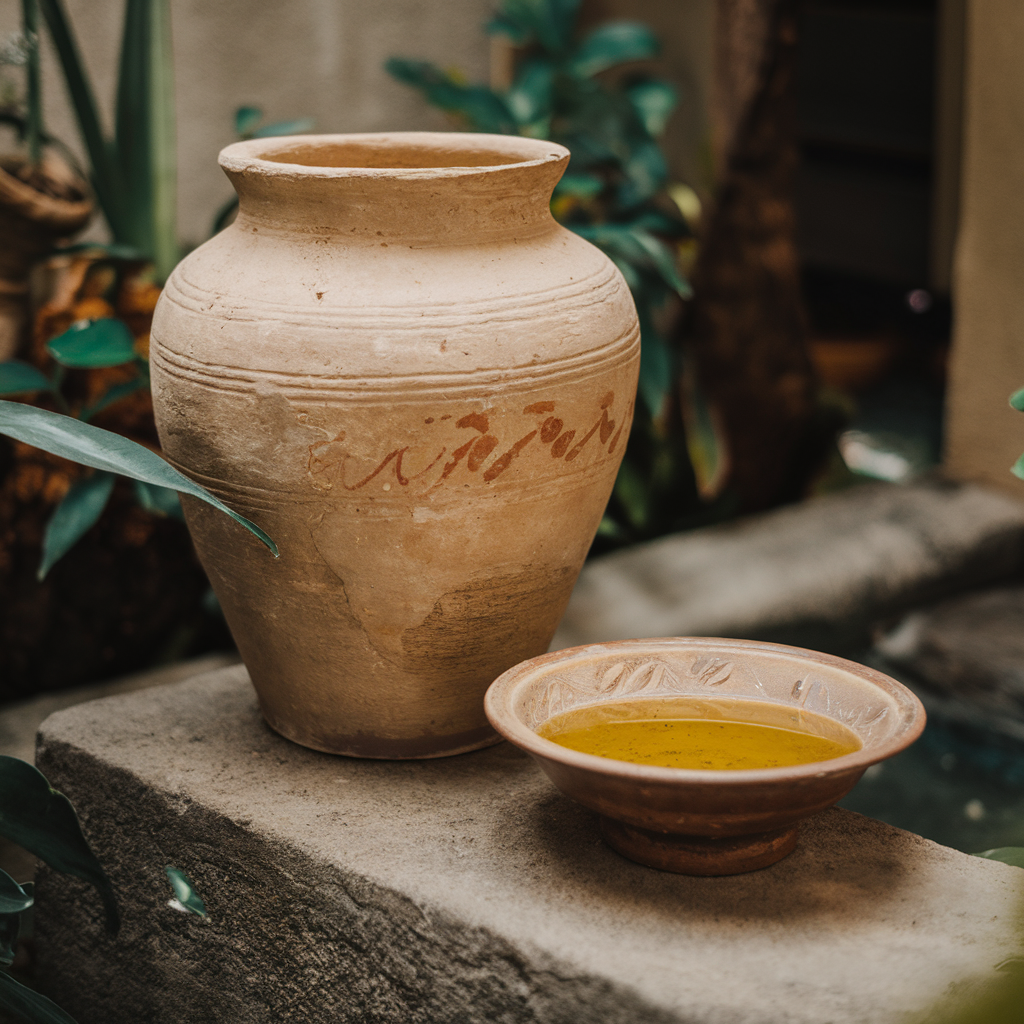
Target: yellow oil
x=725 y=735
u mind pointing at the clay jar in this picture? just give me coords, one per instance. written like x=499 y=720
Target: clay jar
x=421 y=386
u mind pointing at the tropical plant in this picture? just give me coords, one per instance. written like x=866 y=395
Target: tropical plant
x=42 y=821
x=1017 y=402
x=134 y=173
x=615 y=194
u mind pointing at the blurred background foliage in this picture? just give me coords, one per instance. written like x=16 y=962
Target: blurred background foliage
x=591 y=93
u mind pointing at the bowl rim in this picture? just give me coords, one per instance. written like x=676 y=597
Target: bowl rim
x=498 y=704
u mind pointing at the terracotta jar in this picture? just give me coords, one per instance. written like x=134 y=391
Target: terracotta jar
x=421 y=386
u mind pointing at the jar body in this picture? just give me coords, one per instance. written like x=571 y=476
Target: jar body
x=428 y=421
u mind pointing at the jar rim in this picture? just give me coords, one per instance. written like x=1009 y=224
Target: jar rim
x=389 y=154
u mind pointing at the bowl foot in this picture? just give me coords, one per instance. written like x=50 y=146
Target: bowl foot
x=699 y=855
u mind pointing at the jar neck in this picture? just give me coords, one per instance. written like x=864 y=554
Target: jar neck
x=445 y=188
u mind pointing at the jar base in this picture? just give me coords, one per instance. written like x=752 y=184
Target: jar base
x=386 y=749
x=699 y=855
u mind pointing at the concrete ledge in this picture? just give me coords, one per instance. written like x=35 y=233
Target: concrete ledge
x=465 y=890
x=815 y=574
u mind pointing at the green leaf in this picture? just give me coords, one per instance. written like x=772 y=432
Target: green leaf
x=246 y=119
x=29 y=1006
x=485 y=110
x=33 y=93
x=654 y=101
x=611 y=44
x=102 y=449
x=17 y=378
x=1006 y=854
x=10 y=930
x=633 y=494
x=13 y=898
x=114 y=394
x=655 y=372
x=1017 y=469
x=74 y=517
x=115 y=250
x=299 y=126
x=89 y=344
x=639 y=247
x=184 y=891
x=162 y=501
x=1017 y=400
x=146 y=133
x=43 y=821
x=550 y=22
x=529 y=99
x=583 y=186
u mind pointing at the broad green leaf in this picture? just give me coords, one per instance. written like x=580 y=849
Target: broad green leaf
x=654 y=101
x=160 y=500
x=529 y=99
x=639 y=247
x=655 y=372
x=583 y=186
x=29 y=1006
x=184 y=891
x=1017 y=400
x=1017 y=469
x=102 y=449
x=13 y=898
x=89 y=344
x=611 y=44
x=18 y=378
x=246 y=119
x=43 y=821
x=74 y=517
x=1006 y=854
x=107 y=179
x=518 y=34
x=299 y=126
x=550 y=22
x=482 y=108
x=115 y=394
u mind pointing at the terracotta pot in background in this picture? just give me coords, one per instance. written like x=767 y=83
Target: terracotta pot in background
x=398 y=364
x=32 y=219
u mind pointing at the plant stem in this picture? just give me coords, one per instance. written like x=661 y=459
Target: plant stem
x=33 y=91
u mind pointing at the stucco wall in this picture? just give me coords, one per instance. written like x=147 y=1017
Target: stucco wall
x=985 y=436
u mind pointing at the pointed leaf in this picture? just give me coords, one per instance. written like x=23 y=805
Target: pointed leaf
x=246 y=119
x=115 y=394
x=89 y=344
x=485 y=110
x=103 y=449
x=13 y=898
x=1006 y=854
x=17 y=378
x=654 y=101
x=611 y=44
x=29 y=1006
x=550 y=22
x=1017 y=400
x=299 y=126
x=530 y=97
x=43 y=821
x=1017 y=469
x=162 y=501
x=74 y=517
x=184 y=891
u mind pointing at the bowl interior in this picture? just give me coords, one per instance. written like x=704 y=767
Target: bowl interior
x=884 y=715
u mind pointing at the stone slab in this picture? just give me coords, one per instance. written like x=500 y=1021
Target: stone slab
x=466 y=890
x=968 y=652
x=817 y=574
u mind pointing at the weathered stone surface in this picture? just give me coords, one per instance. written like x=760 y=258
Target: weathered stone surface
x=969 y=648
x=816 y=574
x=465 y=890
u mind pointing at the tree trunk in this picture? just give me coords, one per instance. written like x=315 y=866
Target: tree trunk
x=747 y=326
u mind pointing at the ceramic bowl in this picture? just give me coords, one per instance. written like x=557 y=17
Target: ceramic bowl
x=703 y=822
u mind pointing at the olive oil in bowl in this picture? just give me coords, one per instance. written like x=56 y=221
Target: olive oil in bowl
x=726 y=734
